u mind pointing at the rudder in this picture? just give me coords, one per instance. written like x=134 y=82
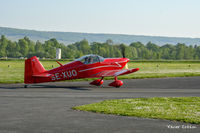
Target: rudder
x=32 y=67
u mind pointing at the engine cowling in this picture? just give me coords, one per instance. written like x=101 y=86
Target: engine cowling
x=97 y=82
x=116 y=83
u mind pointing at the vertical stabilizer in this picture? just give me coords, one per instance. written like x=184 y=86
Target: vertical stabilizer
x=32 y=67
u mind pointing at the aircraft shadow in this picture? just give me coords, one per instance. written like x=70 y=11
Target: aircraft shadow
x=64 y=87
x=44 y=86
x=10 y=87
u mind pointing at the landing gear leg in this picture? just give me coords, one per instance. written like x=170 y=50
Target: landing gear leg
x=115 y=78
x=101 y=80
x=116 y=82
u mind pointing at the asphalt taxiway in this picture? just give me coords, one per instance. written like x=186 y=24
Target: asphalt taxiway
x=47 y=107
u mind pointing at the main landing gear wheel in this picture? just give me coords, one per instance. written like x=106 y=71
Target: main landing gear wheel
x=117 y=83
x=97 y=82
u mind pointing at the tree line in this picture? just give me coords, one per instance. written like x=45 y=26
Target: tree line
x=137 y=51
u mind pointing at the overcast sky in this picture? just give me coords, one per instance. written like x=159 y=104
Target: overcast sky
x=179 y=18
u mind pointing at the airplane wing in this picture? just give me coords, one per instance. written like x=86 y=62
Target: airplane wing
x=109 y=73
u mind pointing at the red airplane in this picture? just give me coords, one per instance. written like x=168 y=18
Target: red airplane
x=89 y=66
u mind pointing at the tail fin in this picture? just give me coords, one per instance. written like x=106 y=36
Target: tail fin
x=32 y=67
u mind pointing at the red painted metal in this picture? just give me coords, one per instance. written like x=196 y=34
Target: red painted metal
x=97 y=82
x=116 y=83
x=36 y=73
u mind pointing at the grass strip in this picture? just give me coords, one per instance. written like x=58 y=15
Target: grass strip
x=184 y=109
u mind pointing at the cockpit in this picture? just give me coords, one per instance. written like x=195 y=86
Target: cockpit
x=90 y=59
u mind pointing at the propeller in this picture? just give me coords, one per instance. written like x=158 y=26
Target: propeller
x=123 y=48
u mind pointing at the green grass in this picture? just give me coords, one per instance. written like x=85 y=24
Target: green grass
x=148 y=69
x=164 y=69
x=184 y=109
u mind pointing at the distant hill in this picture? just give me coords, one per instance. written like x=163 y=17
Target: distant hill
x=71 y=37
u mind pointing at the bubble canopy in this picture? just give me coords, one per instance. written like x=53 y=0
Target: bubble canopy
x=90 y=59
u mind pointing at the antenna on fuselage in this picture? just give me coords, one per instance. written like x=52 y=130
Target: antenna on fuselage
x=59 y=63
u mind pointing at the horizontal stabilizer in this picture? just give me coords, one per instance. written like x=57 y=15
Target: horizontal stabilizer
x=43 y=75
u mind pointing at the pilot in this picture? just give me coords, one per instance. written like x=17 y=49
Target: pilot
x=90 y=60
x=86 y=60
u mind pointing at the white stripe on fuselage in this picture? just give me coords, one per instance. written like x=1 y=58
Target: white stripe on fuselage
x=118 y=64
